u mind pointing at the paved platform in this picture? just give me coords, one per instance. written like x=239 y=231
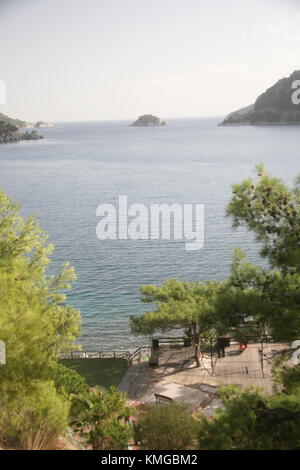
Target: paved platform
x=177 y=367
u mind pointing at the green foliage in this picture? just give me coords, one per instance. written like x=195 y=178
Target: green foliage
x=253 y=300
x=36 y=325
x=38 y=396
x=272 y=211
x=289 y=377
x=103 y=413
x=67 y=381
x=166 y=427
x=5 y=127
x=11 y=121
x=35 y=322
x=35 y=417
x=187 y=305
x=251 y=421
x=256 y=300
x=72 y=386
x=270 y=297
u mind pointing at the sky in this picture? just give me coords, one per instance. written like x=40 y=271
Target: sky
x=75 y=60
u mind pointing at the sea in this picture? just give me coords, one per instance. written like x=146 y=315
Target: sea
x=78 y=166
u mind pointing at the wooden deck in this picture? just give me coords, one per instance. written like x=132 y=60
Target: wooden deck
x=177 y=365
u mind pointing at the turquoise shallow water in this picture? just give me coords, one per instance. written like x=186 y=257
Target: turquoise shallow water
x=78 y=166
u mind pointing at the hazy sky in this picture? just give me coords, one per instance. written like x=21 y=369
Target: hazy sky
x=115 y=59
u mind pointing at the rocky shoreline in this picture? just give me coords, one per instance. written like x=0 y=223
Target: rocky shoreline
x=10 y=133
x=275 y=106
x=8 y=137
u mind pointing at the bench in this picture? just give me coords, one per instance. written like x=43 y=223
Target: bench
x=162 y=399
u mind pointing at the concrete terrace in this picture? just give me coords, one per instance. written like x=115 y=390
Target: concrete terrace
x=176 y=370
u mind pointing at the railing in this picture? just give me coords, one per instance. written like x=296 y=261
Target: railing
x=170 y=340
x=136 y=356
x=105 y=354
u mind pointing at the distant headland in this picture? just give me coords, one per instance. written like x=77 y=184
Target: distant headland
x=274 y=106
x=9 y=130
x=148 y=120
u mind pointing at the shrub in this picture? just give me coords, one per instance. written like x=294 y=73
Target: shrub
x=166 y=427
x=252 y=421
x=102 y=419
x=36 y=417
x=67 y=381
x=71 y=385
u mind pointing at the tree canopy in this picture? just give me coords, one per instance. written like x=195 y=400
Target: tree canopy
x=36 y=325
x=186 y=305
x=262 y=300
x=35 y=322
x=253 y=300
x=251 y=420
x=271 y=210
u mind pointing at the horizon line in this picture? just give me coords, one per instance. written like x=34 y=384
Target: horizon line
x=130 y=119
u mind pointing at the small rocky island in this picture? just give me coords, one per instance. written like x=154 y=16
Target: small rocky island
x=148 y=120
x=274 y=106
x=9 y=130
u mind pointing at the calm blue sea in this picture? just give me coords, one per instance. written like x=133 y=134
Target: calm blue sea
x=63 y=178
